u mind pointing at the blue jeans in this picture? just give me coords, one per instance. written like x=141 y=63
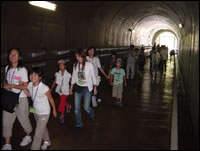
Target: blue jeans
x=86 y=104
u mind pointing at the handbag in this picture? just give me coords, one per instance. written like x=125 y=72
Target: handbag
x=9 y=100
x=78 y=88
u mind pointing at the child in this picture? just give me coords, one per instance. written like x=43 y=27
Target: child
x=41 y=96
x=62 y=79
x=118 y=75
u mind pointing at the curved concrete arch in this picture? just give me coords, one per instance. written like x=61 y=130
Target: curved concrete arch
x=160 y=32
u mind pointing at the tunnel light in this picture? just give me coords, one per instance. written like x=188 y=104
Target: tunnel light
x=180 y=25
x=44 y=4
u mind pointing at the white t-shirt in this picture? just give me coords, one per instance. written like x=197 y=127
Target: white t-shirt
x=39 y=98
x=96 y=63
x=156 y=57
x=164 y=53
x=84 y=78
x=131 y=57
x=14 y=76
x=62 y=82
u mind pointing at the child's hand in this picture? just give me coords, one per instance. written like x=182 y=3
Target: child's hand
x=70 y=92
x=54 y=113
x=111 y=83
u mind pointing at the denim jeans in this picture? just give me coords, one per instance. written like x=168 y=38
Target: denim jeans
x=86 y=105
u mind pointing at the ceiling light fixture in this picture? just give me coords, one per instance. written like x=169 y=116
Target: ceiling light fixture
x=44 y=4
x=180 y=25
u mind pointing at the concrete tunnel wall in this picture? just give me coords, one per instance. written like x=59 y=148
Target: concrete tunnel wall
x=105 y=24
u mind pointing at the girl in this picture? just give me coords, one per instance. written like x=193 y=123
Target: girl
x=62 y=79
x=41 y=96
x=83 y=81
x=16 y=80
x=97 y=65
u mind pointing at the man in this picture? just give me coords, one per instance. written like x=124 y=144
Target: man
x=164 y=57
x=131 y=54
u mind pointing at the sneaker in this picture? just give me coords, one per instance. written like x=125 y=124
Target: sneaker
x=45 y=145
x=26 y=140
x=99 y=100
x=6 y=147
x=62 y=120
x=68 y=109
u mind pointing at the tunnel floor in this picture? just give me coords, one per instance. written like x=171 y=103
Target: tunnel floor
x=143 y=123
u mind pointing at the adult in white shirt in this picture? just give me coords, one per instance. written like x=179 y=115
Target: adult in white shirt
x=164 y=57
x=62 y=79
x=131 y=59
x=97 y=65
x=155 y=61
x=16 y=80
x=83 y=81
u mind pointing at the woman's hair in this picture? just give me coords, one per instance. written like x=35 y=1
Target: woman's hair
x=90 y=49
x=36 y=70
x=82 y=54
x=20 y=62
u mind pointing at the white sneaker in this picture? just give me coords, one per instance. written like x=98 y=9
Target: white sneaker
x=99 y=100
x=45 y=145
x=6 y=147
x=26 y=140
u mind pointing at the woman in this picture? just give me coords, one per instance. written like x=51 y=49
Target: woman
x=83 y=81
x=97 y=65
x=16 y=80
x=62 y=79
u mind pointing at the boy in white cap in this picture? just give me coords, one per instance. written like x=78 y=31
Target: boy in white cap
x=117 y=79
x=62 y=79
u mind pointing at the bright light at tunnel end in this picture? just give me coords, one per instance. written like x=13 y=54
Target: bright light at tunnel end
x=44 y=4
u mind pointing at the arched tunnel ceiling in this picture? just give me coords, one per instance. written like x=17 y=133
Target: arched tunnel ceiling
x=77 y=24
x=146 y=18
x=115 y=18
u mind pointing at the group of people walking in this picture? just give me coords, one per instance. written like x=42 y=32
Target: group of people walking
x=83 y=82
x=158 y=59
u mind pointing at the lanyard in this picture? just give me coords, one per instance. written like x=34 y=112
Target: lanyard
x=79 y=68
x=33 y=98
x=11 y=79
x=61 y=84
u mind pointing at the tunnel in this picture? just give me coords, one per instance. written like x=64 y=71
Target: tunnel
x=45 y=36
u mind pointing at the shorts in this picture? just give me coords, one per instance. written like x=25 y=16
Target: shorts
x=117 y=90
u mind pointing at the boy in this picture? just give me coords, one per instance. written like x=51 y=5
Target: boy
x=118 y=76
